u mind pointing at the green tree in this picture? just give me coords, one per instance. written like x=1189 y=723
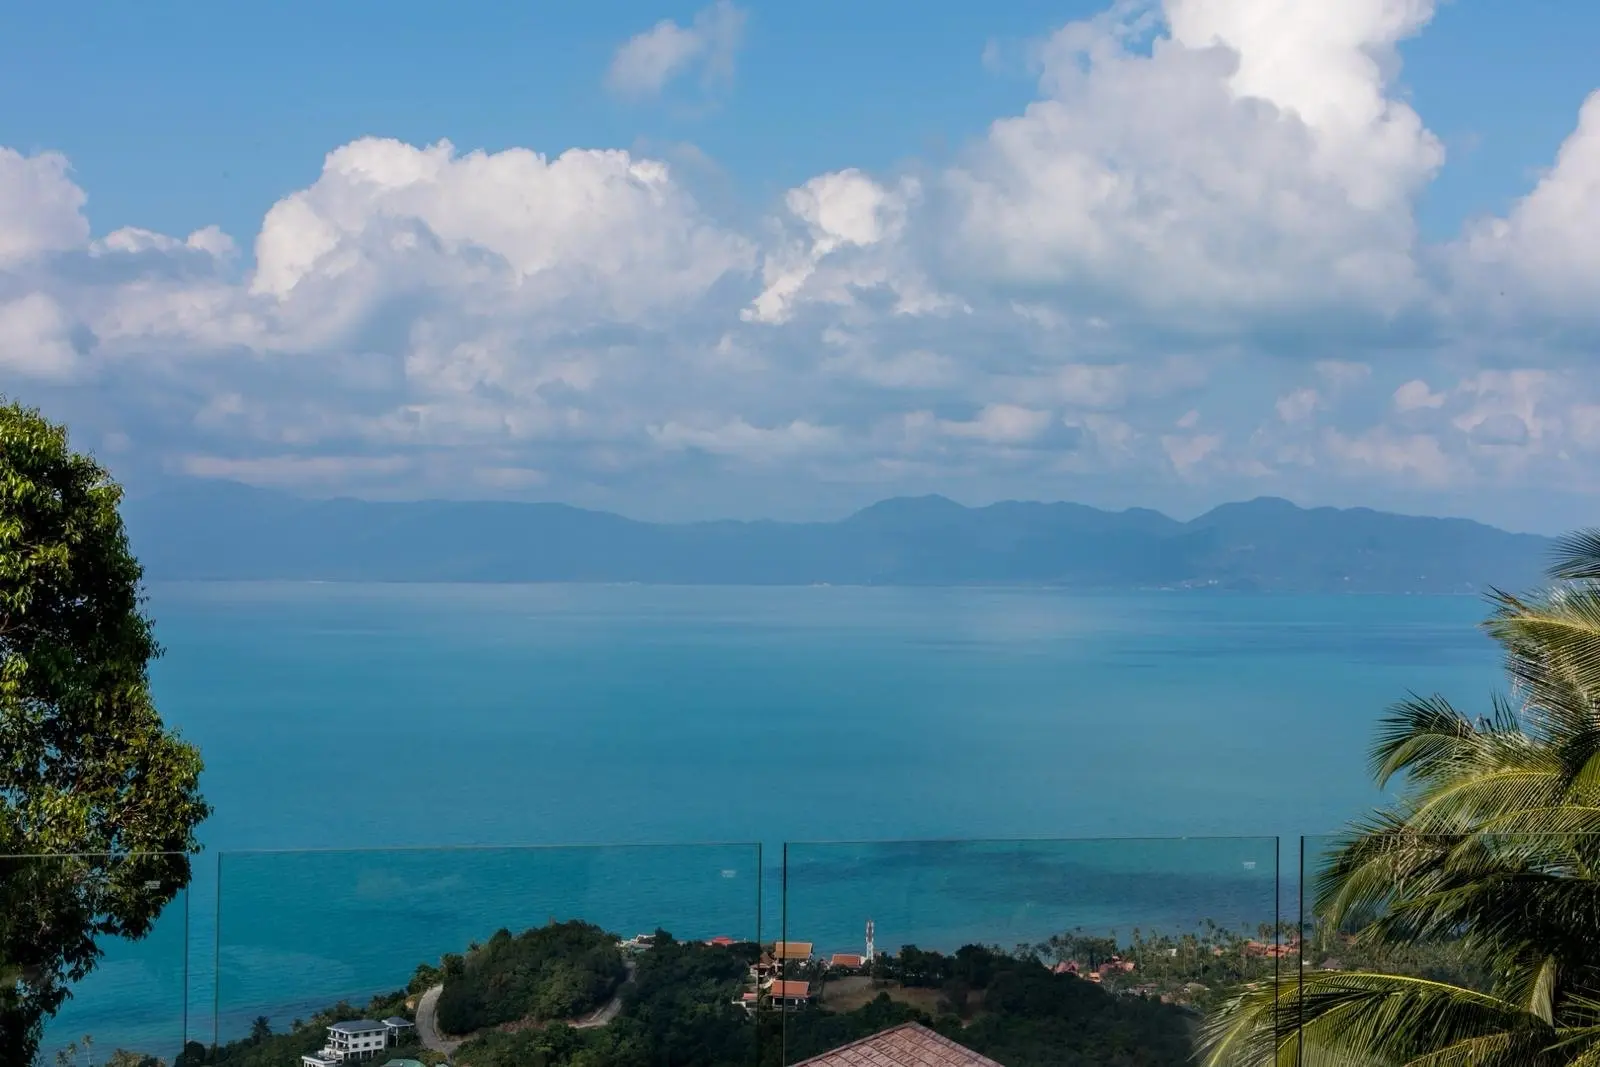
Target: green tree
x=261 y=1029
x=93 y=788
x=124 y=1058
x=1494 y=848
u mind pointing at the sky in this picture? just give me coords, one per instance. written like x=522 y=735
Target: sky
x=782 y=260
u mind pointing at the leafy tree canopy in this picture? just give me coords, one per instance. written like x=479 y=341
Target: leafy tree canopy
x=98 y=800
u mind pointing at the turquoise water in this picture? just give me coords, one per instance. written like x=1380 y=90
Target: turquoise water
x=337 y=717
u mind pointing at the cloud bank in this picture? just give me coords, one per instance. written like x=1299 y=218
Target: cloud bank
x=1188 y=270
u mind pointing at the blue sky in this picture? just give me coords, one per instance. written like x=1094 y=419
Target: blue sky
x=799 y=257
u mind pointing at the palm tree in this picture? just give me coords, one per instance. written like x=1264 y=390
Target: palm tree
x=1494 y=846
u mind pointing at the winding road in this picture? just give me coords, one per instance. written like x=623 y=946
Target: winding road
x=428 y=1017
x=611 y=1009
x=428 y=1024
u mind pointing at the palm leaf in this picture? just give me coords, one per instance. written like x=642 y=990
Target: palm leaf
x=1577 y=557
x=1361 y=1018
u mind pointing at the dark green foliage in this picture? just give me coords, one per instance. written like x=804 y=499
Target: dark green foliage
x=86 y=765
x=1033 y=1018
x=556 y=972
x=124 y=1058
x=680 y=1011
x=425 y=977
x=263 y=1048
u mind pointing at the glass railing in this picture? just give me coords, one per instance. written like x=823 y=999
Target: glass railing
x=1091 y=951
x=516 y=955
x=104 y=940
x=1027 y=952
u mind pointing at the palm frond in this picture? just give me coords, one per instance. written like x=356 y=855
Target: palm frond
x=1356 y=1018
x=1577 y=557
x=1552 y=648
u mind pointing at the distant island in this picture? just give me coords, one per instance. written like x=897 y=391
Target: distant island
x=226 y=531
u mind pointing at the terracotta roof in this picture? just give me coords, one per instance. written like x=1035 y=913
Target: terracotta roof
x=845 y=959
x=910 y=1045
x=790 y=989
x=792 y=950
x=721 y=940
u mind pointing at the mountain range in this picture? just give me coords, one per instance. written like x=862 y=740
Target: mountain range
x=219 y=530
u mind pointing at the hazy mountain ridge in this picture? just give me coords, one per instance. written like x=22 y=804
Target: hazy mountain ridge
x=228 y=531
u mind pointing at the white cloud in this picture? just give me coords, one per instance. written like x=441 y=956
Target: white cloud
x=35 y=339
x=740 y=439
x=1547 y=250
x=603 y=229
x=647 y=62
x=1007 y=424
x=1415 y=395
x=1187 y=452
x=40 y=206
x=1254 y=162
x=1299 y=405
x=848 y=244
x=1403 y=457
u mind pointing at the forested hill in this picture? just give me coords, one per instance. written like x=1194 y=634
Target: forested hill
x=211 y=530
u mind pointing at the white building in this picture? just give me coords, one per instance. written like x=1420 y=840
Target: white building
x=356 y=1040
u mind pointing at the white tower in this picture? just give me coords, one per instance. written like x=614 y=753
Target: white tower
x=872 y=950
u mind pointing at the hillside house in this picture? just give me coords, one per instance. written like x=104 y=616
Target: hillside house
x=356 y=1040
x=792 y=951
x=789 y=996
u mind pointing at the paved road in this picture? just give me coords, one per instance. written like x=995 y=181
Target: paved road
x=428 y=1021
x=612 y=1008
x=428 y=1024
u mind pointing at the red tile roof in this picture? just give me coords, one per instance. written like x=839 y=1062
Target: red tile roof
x=846 y=959
x=790 y=989
x=910 y=1045
x=792 y=950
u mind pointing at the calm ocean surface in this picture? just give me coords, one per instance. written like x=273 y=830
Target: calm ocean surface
x=475 y=719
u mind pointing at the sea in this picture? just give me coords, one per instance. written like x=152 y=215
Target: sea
x=400 y=770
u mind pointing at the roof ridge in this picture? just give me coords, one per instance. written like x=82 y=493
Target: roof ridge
x=978 y=1059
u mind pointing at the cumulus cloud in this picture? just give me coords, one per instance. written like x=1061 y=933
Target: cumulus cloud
x=40 y=206
x=647 y=62
x=35 y=338
x=1253 y=161
x=842 y=239
x=1546 y=251
x=1189 y=266
x=603 y=228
